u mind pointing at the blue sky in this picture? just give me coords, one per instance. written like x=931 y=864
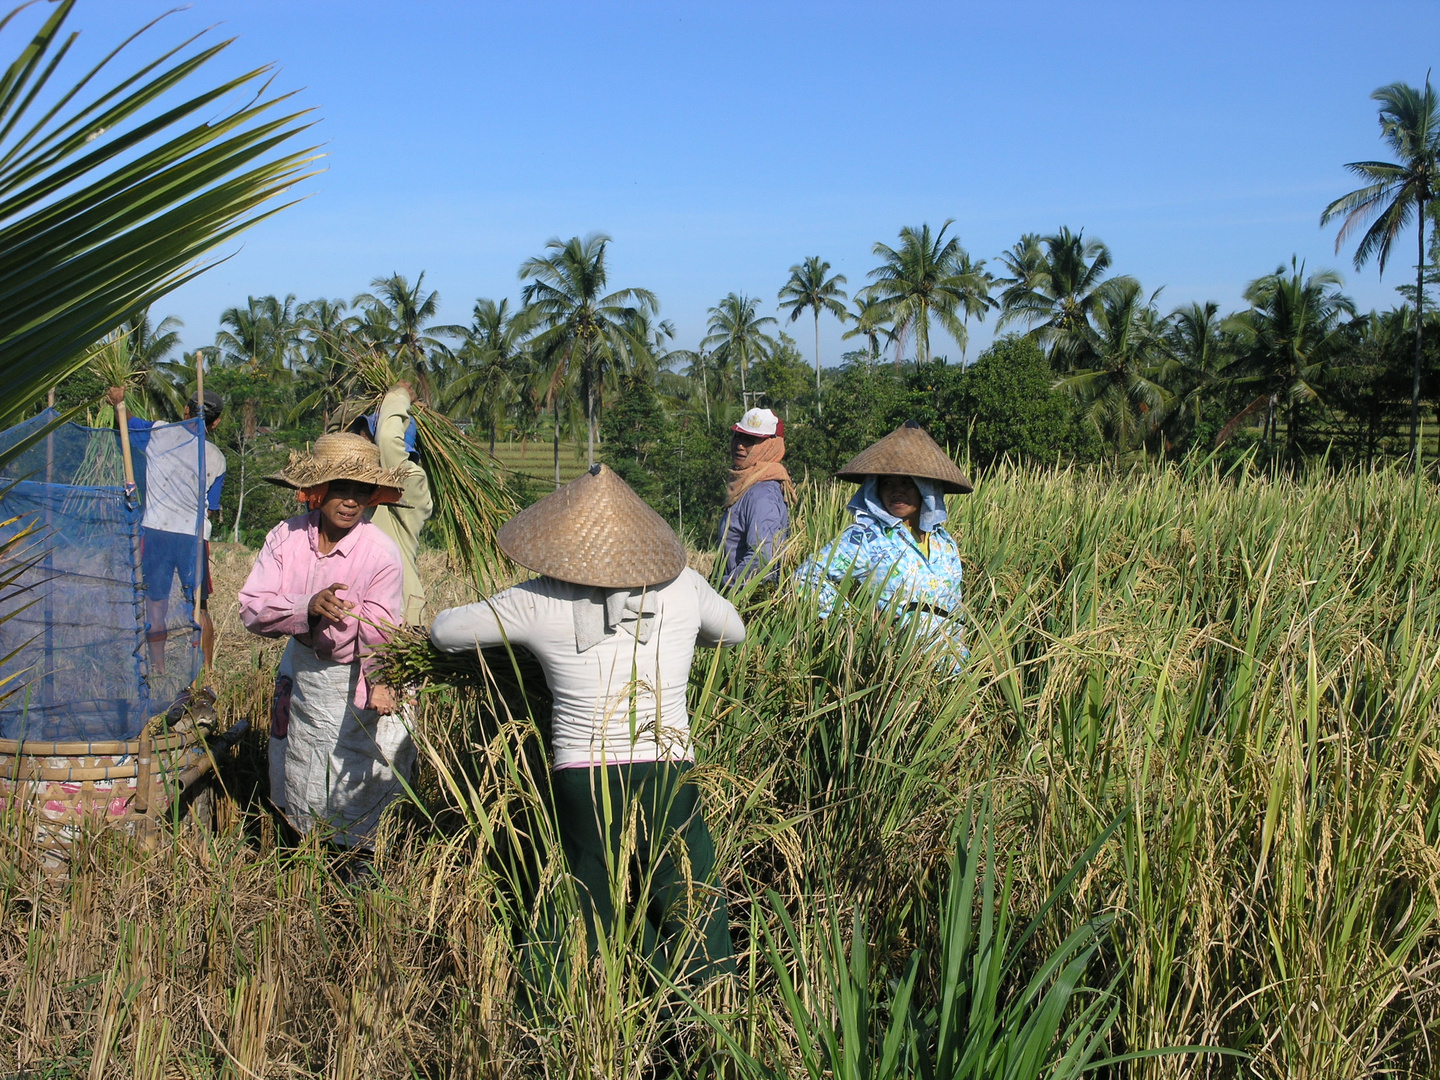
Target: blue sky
x=719 y=144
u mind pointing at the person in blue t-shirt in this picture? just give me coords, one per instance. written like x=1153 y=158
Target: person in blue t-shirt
x=172 y=515
x=756 y=515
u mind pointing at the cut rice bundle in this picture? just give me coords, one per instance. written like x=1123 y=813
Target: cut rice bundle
x=471 y=500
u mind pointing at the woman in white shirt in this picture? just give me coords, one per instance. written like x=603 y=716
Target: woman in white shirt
x=614 y=621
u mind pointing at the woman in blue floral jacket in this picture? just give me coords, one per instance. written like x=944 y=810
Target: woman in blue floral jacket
x=898 y=550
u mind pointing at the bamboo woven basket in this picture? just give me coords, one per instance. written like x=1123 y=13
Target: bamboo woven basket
x=73 y=787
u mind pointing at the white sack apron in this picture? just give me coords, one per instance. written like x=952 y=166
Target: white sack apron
x=343 y=766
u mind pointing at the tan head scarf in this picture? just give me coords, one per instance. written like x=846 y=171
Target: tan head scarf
x=762 y=464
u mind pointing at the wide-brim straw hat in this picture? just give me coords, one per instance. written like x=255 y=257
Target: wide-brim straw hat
x=338 y=457
x=594 y=531
x=908 y=451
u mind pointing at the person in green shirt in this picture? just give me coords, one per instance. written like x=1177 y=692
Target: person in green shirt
x=392 y=429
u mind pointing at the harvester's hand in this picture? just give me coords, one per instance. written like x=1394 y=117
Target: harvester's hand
x=115 y=396
x=382 y=700
x=325 y=604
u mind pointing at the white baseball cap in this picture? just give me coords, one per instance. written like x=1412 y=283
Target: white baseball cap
x=762 y=423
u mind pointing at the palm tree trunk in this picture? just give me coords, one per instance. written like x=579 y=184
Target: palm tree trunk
x=240 y=503
x=743 y=399
x=1291 y=435
x=817 y=361
x=557 y=446
x=590 y=421
x=1419 y=330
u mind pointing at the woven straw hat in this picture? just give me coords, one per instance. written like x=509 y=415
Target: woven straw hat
x=594 y=531
x=907 y=451
x=338 y=457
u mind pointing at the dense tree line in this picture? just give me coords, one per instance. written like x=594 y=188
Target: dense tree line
x=1089 y=365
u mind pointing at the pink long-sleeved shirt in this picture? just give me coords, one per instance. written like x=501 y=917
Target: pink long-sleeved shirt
x=290 y=570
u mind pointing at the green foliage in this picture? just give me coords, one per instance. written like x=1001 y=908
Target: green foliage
x=678 y=466
x=634 y=433
x=782 y=376
x=960 y=1025
x=1009 y=407
x=106 y=208
x=1005 y=404
x=860 y=406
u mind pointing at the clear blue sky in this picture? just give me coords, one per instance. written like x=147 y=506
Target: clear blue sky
x=719 y=144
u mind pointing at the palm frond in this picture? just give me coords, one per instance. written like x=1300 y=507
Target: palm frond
x=103 y=210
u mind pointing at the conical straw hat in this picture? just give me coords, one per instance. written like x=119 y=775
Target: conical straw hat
x=338 y=457
x=594 y=531
x=907 y=451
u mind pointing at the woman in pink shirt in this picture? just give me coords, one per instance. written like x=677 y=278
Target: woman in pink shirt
x=332 y=582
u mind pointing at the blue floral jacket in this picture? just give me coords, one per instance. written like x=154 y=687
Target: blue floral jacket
x=886 y=558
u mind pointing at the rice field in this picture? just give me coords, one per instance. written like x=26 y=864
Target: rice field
x=535 y=459
x=1186 y=794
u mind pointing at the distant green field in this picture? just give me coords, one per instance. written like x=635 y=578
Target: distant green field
x=538 y=461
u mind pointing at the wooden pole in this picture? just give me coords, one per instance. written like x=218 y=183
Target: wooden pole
x=124 y=421
x=201 y=563
x=49 y=562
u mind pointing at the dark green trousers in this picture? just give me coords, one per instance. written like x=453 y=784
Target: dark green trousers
x=686 y=928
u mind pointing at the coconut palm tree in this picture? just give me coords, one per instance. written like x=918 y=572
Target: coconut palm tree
x=247 y=336
x=111 y=199
x=699 y=369
x=924 y=279
x=870 y=323
x=399 y=319
x=150 y=346
x=1053 y=288
x=325 y=332
x=1285 y=343
x=977 y=300
x=736 y=337
x=581 y=322
x=808 y=287
x=1118 y=387
x=642 y=346
x=1024 y=260
x=1395 y=193
x=494 y=345
x=1198 y=353
x=265 y=336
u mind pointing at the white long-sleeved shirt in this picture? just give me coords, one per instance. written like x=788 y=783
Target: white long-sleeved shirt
x=619 y=700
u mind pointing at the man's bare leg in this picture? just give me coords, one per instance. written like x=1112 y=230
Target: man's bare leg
x=156 y=611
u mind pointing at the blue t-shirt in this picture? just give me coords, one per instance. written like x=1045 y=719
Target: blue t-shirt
x=752 y=530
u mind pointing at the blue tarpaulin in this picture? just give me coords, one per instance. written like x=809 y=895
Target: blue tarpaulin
x=83 y=637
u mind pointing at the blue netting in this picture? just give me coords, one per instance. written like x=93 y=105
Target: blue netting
x=81 y=660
